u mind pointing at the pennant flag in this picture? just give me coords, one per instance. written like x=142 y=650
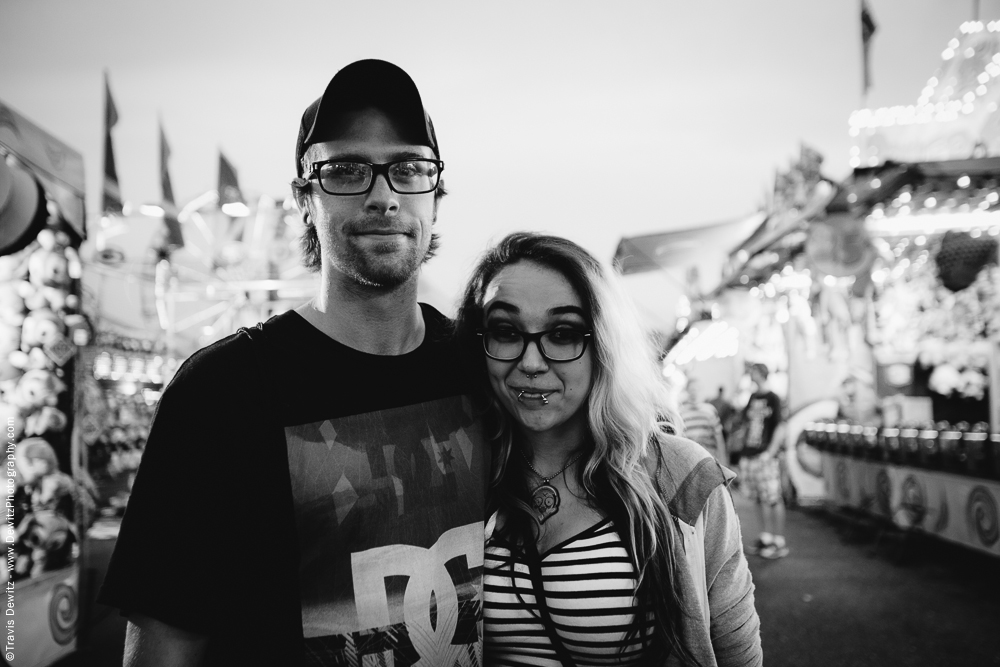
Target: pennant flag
x=867 y=32
x=111 y=200
x=174 y=236
x=165 y=185
x=810 y=161
x=229 y=187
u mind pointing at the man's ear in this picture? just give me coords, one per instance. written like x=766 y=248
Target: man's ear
x=300 y=191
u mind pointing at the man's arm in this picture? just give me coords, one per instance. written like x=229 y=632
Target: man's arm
x=778 y=433
x=152 y=643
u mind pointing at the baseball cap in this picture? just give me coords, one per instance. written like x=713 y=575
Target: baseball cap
x=366 y=83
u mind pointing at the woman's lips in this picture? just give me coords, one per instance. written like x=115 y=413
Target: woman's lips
x=532 y=394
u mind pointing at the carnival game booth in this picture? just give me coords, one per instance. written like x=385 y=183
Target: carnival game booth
x=927 y=187
x=48 y=497
x=932 y=460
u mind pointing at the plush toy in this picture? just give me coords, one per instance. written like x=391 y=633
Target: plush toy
x=9 y=377
x=46 y=534
x=51 y=267
x=11 y=417
x=11 y=304
x=41 y=327
x=48 y=419
x=33 y=359
x=10 y=339
x=14 y=267
x=37 y=388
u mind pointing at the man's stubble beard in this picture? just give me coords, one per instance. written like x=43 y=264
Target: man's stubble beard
x=368 y=267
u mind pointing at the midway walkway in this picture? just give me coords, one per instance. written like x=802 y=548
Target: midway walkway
x=849 y=595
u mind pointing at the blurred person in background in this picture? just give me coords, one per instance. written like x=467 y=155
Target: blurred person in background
x=610 y=540
x=725 y=410
x=760 y=469
x=858 y=400
x=701 y=421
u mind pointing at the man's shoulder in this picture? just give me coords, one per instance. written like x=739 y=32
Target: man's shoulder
x=438 y=325
x=232 y=356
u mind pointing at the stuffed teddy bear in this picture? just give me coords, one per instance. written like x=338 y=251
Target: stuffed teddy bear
x=11 y=304
x=9 y=377
x=14 y=267
x=51 y=268
x=41 y=327
x=10 y=339
x=11 y=416
x=35 y=389
x=48 y=419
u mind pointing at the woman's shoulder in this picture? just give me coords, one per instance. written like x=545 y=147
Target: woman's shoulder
x=686 y=474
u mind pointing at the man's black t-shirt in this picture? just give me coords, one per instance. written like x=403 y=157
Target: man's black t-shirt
x=761 y=416
x=302 y=502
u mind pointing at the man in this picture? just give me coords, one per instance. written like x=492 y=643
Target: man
x=724 y=409
x=701 y=423
x=312 y=490
x=760 y=471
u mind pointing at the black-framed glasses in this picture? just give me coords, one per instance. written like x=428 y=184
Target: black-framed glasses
x=412 y=176
x=507 y=344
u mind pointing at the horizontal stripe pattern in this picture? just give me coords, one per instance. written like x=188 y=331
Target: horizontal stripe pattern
x=700 y=424
x=589 y=587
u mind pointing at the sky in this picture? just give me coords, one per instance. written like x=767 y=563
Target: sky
x=592 y=120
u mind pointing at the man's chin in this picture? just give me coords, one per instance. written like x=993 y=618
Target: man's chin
x=387 y=274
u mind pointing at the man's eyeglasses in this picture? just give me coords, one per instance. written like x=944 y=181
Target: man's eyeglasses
x=413 y=176
x=508 y=344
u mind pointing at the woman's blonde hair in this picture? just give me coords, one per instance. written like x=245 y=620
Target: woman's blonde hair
x=629 y=409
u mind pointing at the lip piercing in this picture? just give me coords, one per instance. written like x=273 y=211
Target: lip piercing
x=531 y=376
x=545 y=398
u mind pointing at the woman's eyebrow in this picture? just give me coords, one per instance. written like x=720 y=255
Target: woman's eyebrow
x=573 y=310
x=504 y=306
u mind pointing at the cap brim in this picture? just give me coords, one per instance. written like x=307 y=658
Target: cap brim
x=22 y=208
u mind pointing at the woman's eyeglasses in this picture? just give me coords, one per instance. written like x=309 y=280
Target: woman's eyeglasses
x=509 y=344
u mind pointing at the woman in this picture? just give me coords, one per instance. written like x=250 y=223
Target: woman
x=612 y=541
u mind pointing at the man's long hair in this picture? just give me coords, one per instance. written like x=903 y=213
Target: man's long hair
x=629 y=409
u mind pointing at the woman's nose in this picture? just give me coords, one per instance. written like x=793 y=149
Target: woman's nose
x=532 y=361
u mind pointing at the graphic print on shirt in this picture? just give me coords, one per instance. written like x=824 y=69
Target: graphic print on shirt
x=389 y=517
x=758 y=414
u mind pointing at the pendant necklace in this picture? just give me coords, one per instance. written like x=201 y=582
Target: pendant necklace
x=545 y=497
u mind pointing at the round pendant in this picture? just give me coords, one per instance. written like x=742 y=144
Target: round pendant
x=545 y=500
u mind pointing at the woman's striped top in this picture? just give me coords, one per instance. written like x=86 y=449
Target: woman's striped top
x=589 y=587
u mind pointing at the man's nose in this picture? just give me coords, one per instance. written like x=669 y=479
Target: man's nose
x=381 y=197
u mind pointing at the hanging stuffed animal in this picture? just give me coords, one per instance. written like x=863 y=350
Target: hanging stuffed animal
x=35 y=389
x=51 y=269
